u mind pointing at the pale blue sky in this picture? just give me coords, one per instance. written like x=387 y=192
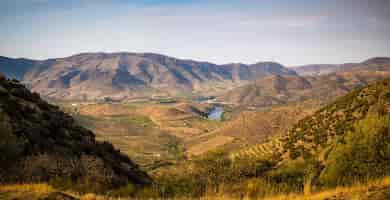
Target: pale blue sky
x=291 y=32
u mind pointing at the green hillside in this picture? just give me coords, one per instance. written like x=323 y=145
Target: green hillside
x=329 y=125
x=345 y=143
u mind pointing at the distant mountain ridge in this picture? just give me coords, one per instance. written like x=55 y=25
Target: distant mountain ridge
x=318 y=83
x=323 y=69
x=123 y=75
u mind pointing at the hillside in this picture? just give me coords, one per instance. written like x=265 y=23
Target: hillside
x=315 y=133
x=15 y=68
x=281 y=89
x=40 y=143
x=343 y=143
x=267 y=91
x=249 y=128
x=336 y=153
x=125 y=75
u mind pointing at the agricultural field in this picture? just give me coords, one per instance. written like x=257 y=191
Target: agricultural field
x=260 y=151
x=150 y=132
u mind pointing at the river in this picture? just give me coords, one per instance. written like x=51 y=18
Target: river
x=216 y=113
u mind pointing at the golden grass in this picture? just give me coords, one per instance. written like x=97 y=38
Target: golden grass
x=355 y=192
x=40 y=190
x=89 y=196
x=36 y=188
x=210 y=144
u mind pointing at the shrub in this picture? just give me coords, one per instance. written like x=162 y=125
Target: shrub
x=129 y=190
x=364 y=153
x=289 y=177
x=258 y=188
x=11 y=147
x=180 y=185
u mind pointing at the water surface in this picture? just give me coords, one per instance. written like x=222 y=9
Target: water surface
x=216 y=113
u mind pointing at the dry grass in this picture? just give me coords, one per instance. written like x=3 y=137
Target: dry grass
x=355 y=192
x=25 y=191
x=40 y=191
x=210 y=144
x=41 y=188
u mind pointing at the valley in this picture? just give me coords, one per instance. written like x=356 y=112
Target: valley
x=149 y=132
x=258 y=131
x=194 y=100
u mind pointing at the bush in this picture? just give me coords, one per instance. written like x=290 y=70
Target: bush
x=289 y=177
x=11 y=147
x=258 y=188
x=364 y=154
x=129 y=191
x=180 y=185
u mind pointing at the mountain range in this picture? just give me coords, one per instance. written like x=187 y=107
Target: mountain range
x=377 y=63
x=124 y=75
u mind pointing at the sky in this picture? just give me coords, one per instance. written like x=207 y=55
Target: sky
x=291 y=32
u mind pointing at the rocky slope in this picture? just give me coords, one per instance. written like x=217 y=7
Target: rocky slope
x=124 y=75
x=40 y=143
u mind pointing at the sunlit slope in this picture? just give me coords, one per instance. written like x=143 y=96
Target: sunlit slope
x=327 y=126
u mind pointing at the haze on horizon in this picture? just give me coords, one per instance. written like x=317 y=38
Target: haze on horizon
x=290 y=32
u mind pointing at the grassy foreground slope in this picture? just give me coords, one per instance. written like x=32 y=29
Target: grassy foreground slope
x=374 y=190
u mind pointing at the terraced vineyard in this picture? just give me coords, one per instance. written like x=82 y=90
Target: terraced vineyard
x=260 y=151
x=149 y=132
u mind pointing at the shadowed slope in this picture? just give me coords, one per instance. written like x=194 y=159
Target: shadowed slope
x=41 y=143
